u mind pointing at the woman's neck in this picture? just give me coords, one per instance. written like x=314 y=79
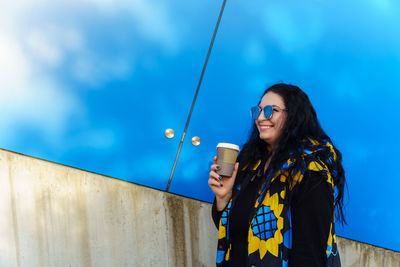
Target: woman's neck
x=267 y=163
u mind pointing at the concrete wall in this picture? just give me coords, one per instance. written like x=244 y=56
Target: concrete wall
x=356 y=254
x=54 y=215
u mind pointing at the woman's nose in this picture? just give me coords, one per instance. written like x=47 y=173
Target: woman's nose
x=261 y=116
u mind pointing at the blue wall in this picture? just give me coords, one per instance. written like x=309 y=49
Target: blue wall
x=94 y=84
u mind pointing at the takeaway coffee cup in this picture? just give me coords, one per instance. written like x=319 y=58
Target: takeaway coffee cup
x=226 y=158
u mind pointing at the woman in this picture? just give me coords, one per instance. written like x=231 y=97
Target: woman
x=277 y=209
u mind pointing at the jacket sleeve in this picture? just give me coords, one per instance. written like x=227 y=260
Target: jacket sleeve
x=312 y=211
x=216 y=215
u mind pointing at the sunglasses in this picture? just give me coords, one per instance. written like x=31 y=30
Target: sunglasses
x=268 y=110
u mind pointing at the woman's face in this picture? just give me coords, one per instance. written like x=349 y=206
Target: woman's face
x=270 y=129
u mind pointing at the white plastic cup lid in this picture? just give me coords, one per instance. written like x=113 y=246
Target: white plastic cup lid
x=227 y=145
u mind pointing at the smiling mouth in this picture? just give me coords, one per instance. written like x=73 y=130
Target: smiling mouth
x=265 y=127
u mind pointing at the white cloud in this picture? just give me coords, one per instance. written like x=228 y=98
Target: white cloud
x=48 y=43
x=14 y=66
x=35 y=44
x=95 y=70
x=43 y=48
x=151 y=17
x=29 y=96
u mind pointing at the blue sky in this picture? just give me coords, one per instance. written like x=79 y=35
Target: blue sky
x=94 y=84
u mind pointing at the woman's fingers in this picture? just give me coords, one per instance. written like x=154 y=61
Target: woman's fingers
x=219 y=185
x=213 y=182
x=215 y=176
x=215 y=167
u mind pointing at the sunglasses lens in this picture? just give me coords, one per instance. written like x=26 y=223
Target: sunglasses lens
x=255 y=112
x=268 y=112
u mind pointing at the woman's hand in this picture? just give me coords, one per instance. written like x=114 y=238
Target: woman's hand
x=221 y=186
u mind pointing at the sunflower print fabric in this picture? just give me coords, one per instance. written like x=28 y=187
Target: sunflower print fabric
x=270 y=231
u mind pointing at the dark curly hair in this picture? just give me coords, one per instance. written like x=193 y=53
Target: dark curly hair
x=301 y=123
